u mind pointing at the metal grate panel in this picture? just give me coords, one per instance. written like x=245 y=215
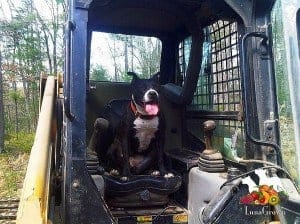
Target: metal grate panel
x=183 y=58
x=218 y=95
x=219 y=87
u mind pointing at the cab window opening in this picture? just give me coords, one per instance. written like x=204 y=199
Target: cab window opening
x=113 y=55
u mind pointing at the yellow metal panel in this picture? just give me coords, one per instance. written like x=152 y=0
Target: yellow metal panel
x=180 y=218
x=144 y=219
x=33 y=207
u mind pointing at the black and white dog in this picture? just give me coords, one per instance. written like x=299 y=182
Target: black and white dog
x=139 y=137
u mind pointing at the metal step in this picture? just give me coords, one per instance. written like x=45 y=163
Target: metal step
x=92 y=164
x=8 y=210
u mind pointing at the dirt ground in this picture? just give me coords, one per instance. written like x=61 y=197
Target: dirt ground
x=12 y=173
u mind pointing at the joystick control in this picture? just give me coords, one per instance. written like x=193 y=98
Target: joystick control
x=209 y=127
x=210 y=159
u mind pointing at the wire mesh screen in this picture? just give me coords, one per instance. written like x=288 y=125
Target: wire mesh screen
x=219 y=87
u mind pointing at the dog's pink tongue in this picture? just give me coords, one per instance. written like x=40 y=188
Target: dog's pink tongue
x=151 y=109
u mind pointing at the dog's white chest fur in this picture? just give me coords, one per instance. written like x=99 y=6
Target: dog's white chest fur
x=145 y=131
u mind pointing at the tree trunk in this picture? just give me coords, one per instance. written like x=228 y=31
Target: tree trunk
x=132 y=53
x=55 y=32
x=48 y=53
x=54 y=58
x=27 y=100
x=115 y=62
x=47 y=34
x=126 y=54
x=2 y=129
x=16 y=108
x=34 y=93
x=8 y=112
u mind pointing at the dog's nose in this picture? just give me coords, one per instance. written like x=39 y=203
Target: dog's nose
x=152 y=94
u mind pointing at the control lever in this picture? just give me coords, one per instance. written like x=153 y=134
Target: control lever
x=210 y=153
x=209 y=127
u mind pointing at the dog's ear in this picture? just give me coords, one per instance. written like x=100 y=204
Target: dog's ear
x=133 y=74
x=156 y=77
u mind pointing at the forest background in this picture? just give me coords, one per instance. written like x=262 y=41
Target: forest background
x=32 y=46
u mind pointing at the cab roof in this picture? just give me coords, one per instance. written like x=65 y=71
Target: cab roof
x=166 y=17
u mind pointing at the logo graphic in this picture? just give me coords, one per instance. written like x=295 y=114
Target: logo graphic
x=264 y=195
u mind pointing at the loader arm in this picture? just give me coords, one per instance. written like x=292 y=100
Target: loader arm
x=33 y=207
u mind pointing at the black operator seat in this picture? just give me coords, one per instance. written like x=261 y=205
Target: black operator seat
x=138 y=190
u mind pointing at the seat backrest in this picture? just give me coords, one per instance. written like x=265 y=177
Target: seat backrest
x=114 y=111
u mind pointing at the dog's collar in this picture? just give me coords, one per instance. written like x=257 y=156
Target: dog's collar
x=138 y=114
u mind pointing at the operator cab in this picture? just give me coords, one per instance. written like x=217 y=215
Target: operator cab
x=167 y=30
x=214 y=57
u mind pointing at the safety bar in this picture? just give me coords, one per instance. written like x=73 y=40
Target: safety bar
x=246 y=87
x=70 y=27
x=33 y=207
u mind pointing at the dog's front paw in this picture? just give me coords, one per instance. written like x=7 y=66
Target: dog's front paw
x=155 y=173
x=168 y=175
x=114 y=172
x=124 y=178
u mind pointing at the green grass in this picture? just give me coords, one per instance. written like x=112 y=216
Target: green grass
x=13 y=163
x=19 y=143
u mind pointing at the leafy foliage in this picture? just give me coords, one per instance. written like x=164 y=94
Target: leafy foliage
x=99 y=73
x=31 y=45
x=127 y=53
x=287 y=134
x=18 y=142
x=283 y=92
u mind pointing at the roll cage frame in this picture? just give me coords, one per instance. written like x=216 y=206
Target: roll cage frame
x=81 y=201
